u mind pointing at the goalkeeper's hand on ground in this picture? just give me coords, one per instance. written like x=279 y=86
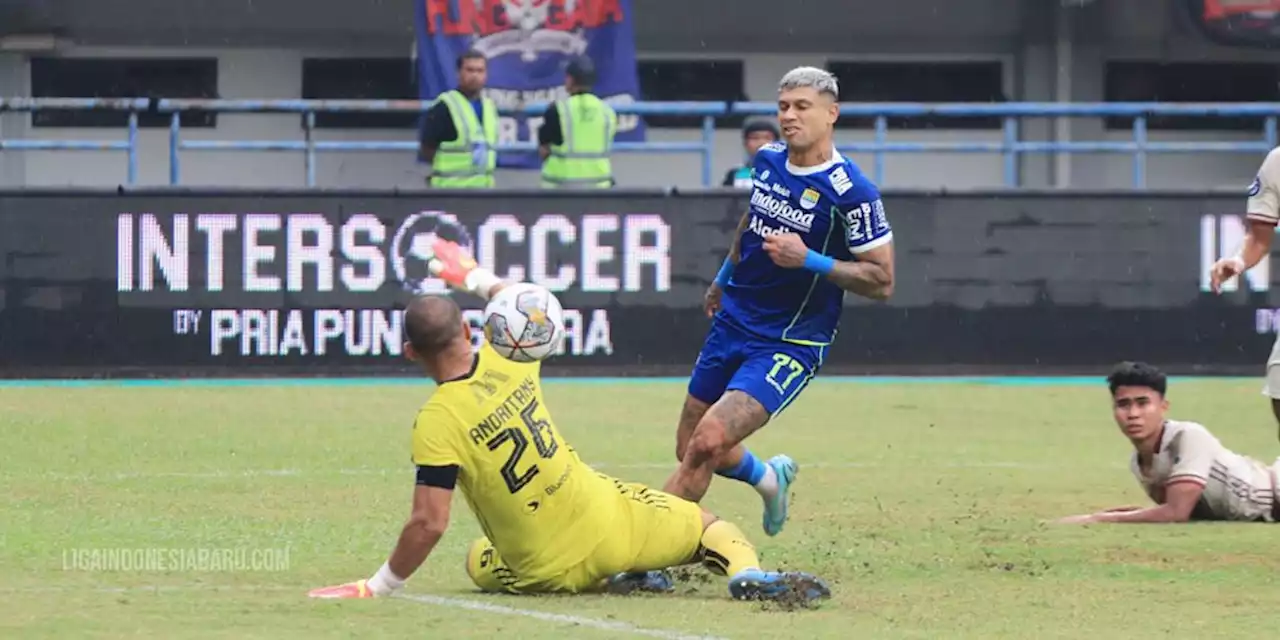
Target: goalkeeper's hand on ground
x=383 y=583
x=451 y=263
x=357 y=589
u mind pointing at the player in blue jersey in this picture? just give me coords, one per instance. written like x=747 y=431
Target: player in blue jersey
x=815 y=229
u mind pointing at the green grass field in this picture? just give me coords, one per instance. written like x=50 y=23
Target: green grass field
x=923 y=504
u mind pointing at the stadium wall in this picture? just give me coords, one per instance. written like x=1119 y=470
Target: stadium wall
x=241 y=283
x=1050 y=53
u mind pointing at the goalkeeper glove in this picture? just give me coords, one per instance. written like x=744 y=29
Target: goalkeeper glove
x=451 y=263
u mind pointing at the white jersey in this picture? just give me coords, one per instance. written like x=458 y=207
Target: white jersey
x=1264 y=206
x=1264 y=193
x=1236 y=487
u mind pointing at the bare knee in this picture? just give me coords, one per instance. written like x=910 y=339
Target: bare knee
x=731 y=419
x=710 y=441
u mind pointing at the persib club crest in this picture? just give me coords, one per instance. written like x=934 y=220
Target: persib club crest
x=809 y=199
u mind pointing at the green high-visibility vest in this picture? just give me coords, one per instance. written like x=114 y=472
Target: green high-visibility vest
x=587 y=125
x=469 y=160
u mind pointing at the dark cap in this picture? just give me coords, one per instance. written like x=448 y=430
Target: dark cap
x=760 y=125
x=582 y=69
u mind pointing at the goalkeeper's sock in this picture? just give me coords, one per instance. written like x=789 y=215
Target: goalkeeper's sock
x=726 y=551
x=755 y=473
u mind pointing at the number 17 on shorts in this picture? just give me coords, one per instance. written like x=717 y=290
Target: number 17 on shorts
x=771 y=371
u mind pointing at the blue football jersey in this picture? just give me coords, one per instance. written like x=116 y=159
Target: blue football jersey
x=838 y=213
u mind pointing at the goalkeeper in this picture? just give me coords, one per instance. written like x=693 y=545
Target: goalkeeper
x=551 y=523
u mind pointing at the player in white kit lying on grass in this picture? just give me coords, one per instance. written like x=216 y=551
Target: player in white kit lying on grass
x=1180 y=465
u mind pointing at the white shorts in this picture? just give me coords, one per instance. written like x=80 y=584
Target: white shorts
x=1271 y=388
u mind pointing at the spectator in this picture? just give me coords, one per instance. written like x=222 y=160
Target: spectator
x=755 y=134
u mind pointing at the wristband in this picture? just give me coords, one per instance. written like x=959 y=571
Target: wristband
x=819 y=263
x=480 y=282
x=385 y=582
x=726 y=270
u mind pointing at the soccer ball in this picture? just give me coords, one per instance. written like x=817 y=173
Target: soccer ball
x=524 y=322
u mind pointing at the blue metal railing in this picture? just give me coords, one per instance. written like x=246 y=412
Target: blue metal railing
x=708 y=110
x=1010 y=146
x=129 y=144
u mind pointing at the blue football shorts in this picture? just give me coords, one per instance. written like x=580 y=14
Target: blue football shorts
x=771 y=371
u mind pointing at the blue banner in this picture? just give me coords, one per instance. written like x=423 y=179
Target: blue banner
x=527 y=43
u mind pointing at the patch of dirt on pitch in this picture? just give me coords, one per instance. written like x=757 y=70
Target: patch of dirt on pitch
x=691 y=579
x=794 y=600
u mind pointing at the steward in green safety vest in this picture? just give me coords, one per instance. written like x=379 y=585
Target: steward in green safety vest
x=460 y=131
x=576 y=137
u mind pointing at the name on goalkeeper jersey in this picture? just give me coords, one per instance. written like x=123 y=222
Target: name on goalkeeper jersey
x=509 y=408
x=780 y=210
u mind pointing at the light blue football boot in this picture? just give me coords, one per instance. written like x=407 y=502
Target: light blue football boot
x=791 y=586
x=775 y=510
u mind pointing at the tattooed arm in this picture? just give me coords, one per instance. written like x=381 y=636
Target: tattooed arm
x=735 y=249
x=711 y=299
x=870 y=276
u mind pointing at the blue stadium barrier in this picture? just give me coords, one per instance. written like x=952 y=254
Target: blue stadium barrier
x=129 y=144
x=709 y=111
x=1011 y=147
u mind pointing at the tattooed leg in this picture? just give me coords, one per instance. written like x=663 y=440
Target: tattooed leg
x=690 y=416
x=713 y=441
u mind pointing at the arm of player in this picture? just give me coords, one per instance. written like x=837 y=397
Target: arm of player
x=426 y=525
x=869 y=237
x=427 y=522
x=436 y=452
x=711 y=299
x=1263 y=213
x=1192 y=452
x=1181 y=496
x=735 y=249
x=735 y=253
x=1255 y=247
x=870 y=276
x=870 y=240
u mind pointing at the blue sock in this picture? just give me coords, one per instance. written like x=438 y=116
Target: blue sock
x=750 y=470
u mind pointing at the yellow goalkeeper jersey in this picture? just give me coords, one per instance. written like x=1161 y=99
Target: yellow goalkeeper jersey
x=543 y=508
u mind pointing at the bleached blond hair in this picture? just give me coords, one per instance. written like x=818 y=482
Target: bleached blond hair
x=820 y=80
